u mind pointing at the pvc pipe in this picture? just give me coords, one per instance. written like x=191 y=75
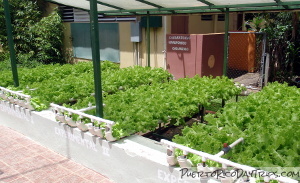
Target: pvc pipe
x=236 y=142
x=165 y=41
x=98 y=119
x=226 y=149
x=15 y=93
x=87 y=109
x=225 y=161
x=267 y=65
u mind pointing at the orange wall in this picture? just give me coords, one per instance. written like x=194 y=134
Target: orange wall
x=242 y=51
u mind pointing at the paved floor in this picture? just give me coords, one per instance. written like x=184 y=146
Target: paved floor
x=22 y=160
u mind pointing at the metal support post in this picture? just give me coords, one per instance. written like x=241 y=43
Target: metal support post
x=148 y=39
x=11 y=43
x=225 y=63
x=96 y=57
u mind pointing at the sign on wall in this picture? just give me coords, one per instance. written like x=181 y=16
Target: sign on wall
x=178 y=43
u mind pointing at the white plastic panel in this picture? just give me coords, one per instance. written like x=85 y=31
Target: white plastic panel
x=177 y=3
x=127 y=4
x=82 y=4
x=289 y=0
x=233 y=2
x=135 y=4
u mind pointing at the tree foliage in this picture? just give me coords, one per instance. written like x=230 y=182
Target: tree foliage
x=283 y=43
x=37 y=39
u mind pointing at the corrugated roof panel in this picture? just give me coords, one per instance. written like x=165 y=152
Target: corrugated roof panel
x=81 y=4
x=140 y=7
x=289 y=0
x=178 y=3
x=126 y=4
x=233 y=2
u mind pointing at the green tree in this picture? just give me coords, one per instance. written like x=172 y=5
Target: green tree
x=37 y=38
x=283 y=43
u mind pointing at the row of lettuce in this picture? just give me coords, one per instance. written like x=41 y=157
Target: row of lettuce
x=269 y=121
x=136 y=98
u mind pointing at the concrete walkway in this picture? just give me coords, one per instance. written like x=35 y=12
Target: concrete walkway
x=22 y=160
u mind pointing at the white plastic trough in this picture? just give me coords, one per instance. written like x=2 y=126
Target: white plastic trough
x=225 y=163
x=133 y=159
x=65 y=118
x=19 y=99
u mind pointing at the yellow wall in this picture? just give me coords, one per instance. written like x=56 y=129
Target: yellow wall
x=129 y=51
x=126 y=46
x=156 y=47
x=198 y=26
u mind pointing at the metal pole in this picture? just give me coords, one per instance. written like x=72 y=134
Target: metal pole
x=225 y=63
x=262 y=62
x=11 y=43
x=148 y=38
x=96 y=57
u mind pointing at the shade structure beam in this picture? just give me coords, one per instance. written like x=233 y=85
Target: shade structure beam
x=149 y=3
x=206 y=2
x=279 y=2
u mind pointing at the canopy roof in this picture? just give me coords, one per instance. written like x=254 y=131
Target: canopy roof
x=161 y=7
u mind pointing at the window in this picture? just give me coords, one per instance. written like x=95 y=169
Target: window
x=108 y=37
x=221 y=17
x=206 y=17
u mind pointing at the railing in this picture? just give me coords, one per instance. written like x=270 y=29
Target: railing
x=64 y=114
x=16 y=97
x=185 y=163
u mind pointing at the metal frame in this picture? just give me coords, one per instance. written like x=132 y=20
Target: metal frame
x=209 y=8
x=118 y=10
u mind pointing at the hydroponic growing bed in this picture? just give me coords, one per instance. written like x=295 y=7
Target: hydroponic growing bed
x=141 y=99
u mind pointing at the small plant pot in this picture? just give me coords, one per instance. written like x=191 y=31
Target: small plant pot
x=82 y=126
x=98 y=132
x=11 y=99
x=22 y=103
x=201 y=168
x=91 y=129
x=184 y=162
x=19 y=102
x=2 y=95
x=109 y=136
x=227 y=180
x=70 y=122
x=172 y=160
x=94 y=130
x=60 y=118
x=29 y=106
